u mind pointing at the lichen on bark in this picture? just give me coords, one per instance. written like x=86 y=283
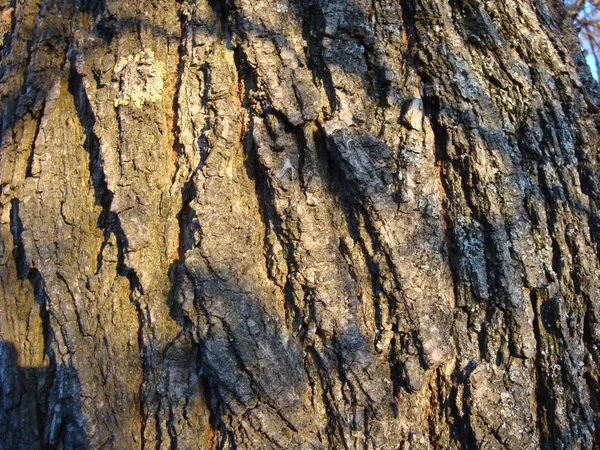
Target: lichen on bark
x=297 y=224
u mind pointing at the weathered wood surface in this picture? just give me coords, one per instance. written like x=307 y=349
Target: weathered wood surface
x=297 y=224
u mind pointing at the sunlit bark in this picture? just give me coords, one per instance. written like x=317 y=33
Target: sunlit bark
x=297 y=224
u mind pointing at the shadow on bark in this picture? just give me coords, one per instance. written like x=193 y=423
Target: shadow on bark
x=25 y=392
x=249 y=358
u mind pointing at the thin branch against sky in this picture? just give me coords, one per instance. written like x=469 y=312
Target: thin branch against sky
x=586 y=16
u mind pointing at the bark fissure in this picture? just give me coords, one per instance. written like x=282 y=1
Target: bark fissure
x=285 y=224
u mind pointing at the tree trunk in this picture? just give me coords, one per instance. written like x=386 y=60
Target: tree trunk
x=316 y=224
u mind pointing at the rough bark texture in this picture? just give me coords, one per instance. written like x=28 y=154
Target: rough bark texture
x=255 y=224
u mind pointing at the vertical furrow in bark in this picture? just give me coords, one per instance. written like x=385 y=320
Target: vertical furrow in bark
x=521 y=342
x=297 y=224
x=134 y=84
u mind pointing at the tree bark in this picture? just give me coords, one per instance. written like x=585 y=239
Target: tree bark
x=297 y=224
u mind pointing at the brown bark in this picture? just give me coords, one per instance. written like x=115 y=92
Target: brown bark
x=297 y=224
